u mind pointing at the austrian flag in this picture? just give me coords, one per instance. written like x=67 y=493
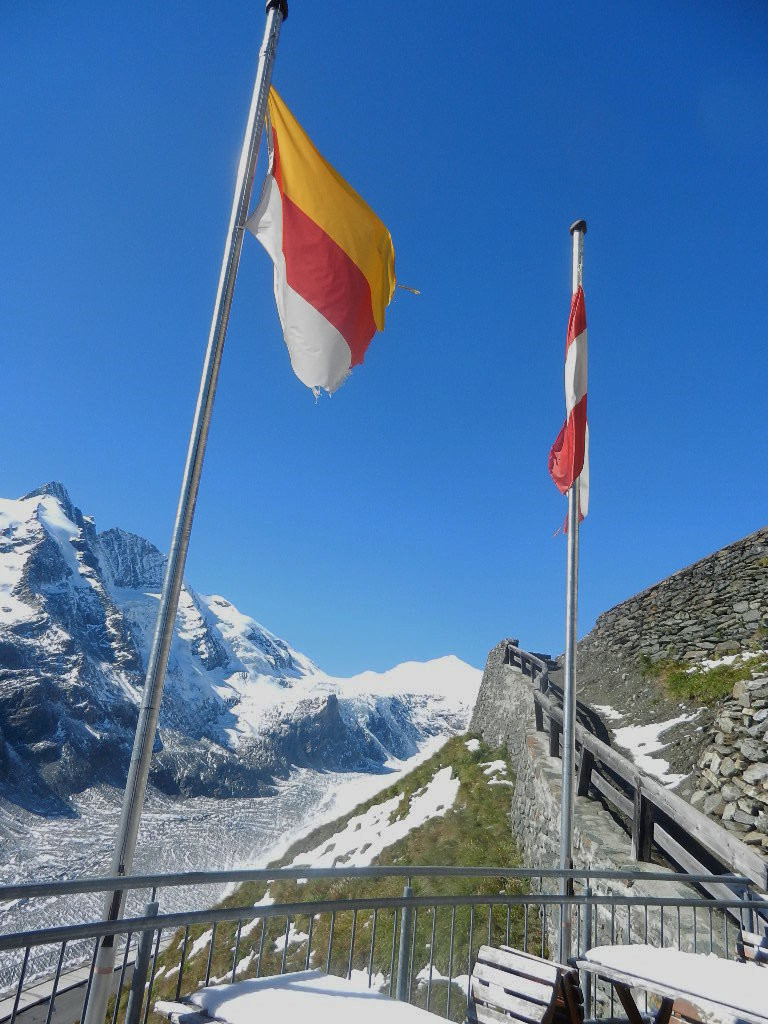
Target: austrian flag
x=569 y=455
x=334 y=260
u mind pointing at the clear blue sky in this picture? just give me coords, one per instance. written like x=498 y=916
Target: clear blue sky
x=411 y=515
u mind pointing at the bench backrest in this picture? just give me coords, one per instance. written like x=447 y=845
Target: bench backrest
x=509 y=985
x=753 y=947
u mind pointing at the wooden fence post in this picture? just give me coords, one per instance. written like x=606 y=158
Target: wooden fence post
x=537 y=710
x=586 y=764
x=554 y=738
x=642 y=826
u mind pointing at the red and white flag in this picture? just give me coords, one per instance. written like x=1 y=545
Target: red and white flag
x=569 y=455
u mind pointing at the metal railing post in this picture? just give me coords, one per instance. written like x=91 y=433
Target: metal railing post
x=403 y=954
x=141 y=969
x=585 y=944
x=750 y=923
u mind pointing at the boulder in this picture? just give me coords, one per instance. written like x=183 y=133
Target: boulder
x=730 y=792
x=756 y=773
x=714 y=805
x=753 y=750
x=728 y=767
x=754 y=838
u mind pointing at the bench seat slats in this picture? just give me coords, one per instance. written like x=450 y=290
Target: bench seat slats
x=492 y=995
x=509 y=986
x=564 y=968
x=684 y=1012
x=534 y=990
x=487 y=1015
x=753 y=947
x=527 y=966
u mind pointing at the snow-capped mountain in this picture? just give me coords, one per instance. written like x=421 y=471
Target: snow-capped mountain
x=240 y=708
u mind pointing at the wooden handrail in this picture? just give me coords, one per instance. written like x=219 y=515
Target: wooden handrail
x=650 y=794
x=513 y=651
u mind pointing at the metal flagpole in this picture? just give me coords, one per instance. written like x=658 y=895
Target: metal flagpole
x=578 y=230
x=133 y=799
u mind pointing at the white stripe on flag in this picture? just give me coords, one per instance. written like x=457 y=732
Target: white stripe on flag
x=584 y=477
x=575 y=372
x=320 y=356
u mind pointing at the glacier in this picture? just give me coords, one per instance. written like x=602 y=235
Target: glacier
x=241 y=710
x=256 y=744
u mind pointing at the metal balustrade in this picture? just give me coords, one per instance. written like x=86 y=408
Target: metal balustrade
x=419 y=946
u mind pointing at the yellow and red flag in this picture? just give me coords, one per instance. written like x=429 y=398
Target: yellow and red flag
x=333 y=257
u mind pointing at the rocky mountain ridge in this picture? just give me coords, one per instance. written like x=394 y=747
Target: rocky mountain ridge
x=240 y=709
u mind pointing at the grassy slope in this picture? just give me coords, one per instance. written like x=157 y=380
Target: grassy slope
x=701 y=686
x=474 y=832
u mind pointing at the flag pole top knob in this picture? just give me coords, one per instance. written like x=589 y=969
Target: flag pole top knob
x=579 y=225
x=281 y=5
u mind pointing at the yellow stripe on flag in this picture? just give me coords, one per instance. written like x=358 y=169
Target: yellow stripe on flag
x=331 y=202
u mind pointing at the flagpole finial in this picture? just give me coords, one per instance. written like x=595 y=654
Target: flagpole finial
x=579 y=225
x=281 y=5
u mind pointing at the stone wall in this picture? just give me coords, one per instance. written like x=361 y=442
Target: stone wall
x=731 y=780
x=504 y=714
x=714 y=606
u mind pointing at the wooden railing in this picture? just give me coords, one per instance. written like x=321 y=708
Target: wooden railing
x=656 y=814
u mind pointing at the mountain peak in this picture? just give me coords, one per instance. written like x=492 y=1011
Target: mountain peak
x=55 y=488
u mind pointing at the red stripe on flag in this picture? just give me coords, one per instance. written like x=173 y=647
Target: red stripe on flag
x=566 y=457
x=322 y=273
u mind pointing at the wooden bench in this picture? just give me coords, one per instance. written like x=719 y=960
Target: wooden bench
x=753 y=948
x=508 y=985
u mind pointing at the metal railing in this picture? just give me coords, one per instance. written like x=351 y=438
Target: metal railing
x=655 y=814
x=419 y=946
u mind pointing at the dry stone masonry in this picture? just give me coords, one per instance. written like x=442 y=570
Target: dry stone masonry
x=715 y=606
x=732 y=776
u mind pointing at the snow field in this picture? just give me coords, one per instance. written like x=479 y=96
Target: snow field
x=295 y=938
x=366 y=835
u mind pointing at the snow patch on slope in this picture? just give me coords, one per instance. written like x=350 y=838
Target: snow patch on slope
x=366 y=835
x=643 y=741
